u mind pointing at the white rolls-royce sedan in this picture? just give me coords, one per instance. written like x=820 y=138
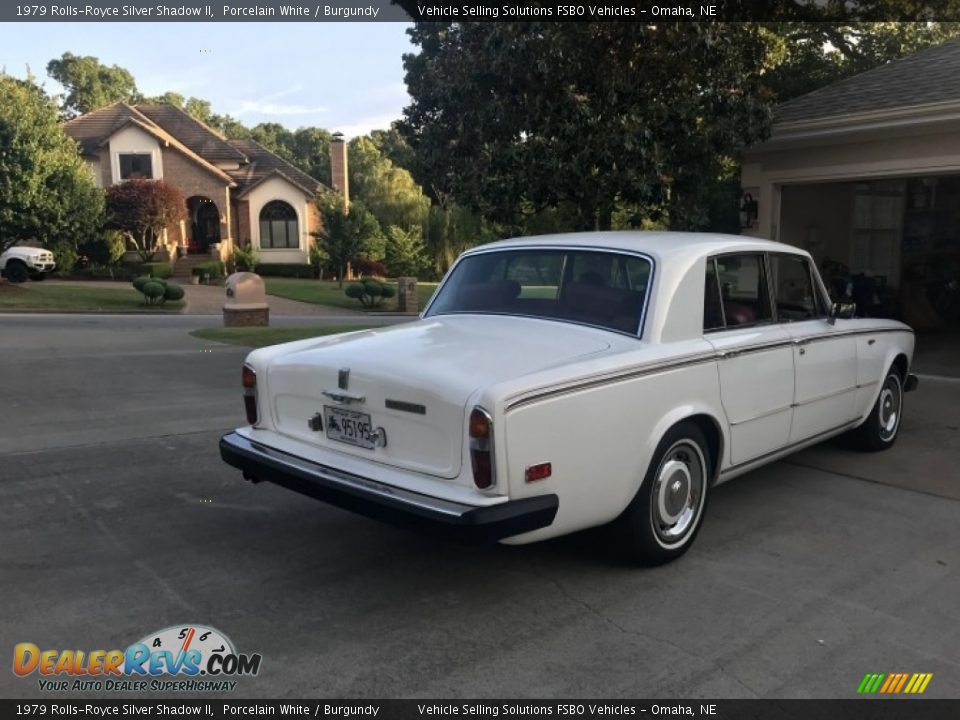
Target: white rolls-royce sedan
x=563 y=382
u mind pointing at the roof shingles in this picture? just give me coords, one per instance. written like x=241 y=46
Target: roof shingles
x=926 y=77
x=204 y=145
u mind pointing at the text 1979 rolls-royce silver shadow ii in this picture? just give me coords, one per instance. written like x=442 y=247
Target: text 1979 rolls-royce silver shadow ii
x=562 y=382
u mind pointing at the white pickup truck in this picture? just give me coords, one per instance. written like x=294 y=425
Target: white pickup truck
x=20 y=262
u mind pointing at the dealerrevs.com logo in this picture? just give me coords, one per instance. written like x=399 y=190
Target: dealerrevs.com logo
x=186 y=658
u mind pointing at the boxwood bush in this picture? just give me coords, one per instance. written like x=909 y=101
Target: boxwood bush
x=369 y=292
x=157 y=291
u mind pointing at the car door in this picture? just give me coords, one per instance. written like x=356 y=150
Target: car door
x=825 y=353
x=755 y=355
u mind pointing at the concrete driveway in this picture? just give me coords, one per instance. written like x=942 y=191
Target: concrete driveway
x=117 y=518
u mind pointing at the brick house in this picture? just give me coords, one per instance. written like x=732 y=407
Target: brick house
x=237 y=191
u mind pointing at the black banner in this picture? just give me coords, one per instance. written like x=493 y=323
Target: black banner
x=872 y=709
x=473 y=10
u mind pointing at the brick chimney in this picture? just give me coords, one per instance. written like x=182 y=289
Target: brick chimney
x=338 y=168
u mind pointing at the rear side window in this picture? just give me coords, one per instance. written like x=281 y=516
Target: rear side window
x=795 y=295
x=736 y=292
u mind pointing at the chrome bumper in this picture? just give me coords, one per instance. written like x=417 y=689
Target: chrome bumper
x=385 y=502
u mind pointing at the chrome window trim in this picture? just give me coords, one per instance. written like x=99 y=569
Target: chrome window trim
x=766 y=271
x=815 y=287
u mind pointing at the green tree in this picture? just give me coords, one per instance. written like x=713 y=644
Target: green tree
x=47 y=192
x=514 y=117
x=389 y=191
x=345 y=235
x=276 y=138
x=142 y=210
x=810 y=55
x=89 y=84
x=311 y=152
x=405 y=253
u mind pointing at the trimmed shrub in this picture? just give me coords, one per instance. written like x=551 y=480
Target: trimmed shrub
x=369 y=291
x=139 y=282
x=173 y=292
x=154 y=292
x=291 y=270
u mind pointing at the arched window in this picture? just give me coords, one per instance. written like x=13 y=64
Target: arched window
x=278 y=226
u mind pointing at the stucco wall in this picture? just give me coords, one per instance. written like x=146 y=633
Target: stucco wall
x=892 y=153
x=277 y=189
x=132 y=139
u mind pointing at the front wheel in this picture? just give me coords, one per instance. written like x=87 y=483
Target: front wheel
x=16 y=272
x=659 y=525
x=879 y=431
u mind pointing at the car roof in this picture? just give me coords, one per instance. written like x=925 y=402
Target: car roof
x=658 y=244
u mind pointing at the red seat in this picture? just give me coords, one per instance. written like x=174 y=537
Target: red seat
x=738 y=313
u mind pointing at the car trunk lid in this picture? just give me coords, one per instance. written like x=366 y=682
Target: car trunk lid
x=412 y=382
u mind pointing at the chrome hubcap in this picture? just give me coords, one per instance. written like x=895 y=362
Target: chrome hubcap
x=678 y=492
x=891 y=399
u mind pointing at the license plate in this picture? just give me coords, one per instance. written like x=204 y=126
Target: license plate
x=347 y=426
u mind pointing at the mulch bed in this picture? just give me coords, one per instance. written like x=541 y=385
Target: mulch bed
x=7 y=287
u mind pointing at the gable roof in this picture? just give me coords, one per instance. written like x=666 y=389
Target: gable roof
x=200 y=143
x=263 y=164
x=203 y=140
x=928 y=77
x=95 y=129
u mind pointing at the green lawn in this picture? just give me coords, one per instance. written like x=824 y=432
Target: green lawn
x=327 y=292
x=261 y=336
x=50 y=296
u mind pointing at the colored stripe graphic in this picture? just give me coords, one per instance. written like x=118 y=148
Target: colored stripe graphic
x=894 y=683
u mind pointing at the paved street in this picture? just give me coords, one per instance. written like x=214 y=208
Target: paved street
x=117 y=518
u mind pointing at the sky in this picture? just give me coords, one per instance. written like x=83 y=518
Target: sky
x=344 y=76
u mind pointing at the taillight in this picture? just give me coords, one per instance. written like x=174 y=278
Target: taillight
x=481 y=448
x=250 y=394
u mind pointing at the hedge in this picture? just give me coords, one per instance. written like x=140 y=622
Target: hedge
x=158 y=270
x=290 y=270
x=213 y=269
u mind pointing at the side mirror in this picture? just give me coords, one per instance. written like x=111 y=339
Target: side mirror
x=843 y=311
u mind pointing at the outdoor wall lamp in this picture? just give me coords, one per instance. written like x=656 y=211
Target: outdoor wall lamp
x=748 y=211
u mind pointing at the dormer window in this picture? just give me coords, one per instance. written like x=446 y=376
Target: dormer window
x=136 y=166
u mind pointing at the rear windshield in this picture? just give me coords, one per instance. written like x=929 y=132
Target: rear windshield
x=599 y=288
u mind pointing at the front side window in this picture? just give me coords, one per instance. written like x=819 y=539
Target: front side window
x=278 y=226
x=605 y=289
x=735 y=293
x=136 y=166
x=794 y=292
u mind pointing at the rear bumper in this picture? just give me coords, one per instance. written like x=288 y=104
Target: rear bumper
x=385 y=502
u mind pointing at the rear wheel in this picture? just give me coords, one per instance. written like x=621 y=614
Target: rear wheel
x=879 y=431
x=664 y=517
x=16 y=271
